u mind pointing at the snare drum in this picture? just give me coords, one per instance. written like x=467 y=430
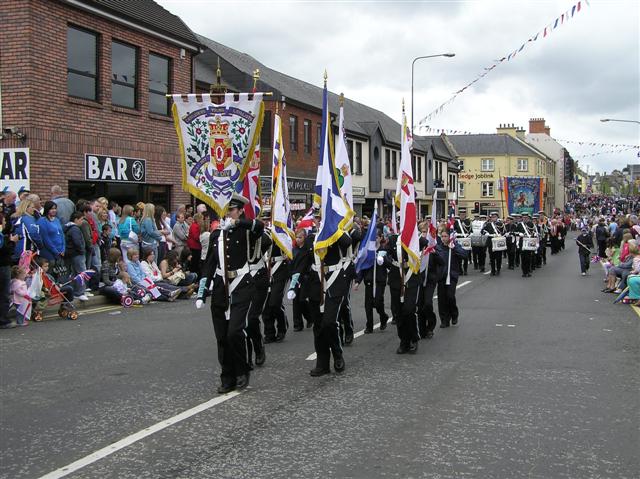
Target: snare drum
x=465 y=242
x=499 y=243
x=530 y=244
x=477 y=240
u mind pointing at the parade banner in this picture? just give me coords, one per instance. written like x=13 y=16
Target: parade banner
x=217 y=142
x=281 y=219
x=523 y=194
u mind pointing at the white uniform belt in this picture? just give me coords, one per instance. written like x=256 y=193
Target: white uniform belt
x=328 y=269
x=278 y=258
x=397 y=264
x=254 y=268
x=233 y=274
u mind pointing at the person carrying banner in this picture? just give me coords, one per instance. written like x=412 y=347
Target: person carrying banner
x=490 y=231
x=226 y=275
x=447 y=249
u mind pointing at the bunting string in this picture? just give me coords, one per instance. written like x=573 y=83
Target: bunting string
x=543 y=33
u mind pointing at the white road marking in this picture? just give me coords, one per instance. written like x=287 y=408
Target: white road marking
x=499 y=325
x=488 y=272
x=127 y=441
x=608 y=330
x=511 y=325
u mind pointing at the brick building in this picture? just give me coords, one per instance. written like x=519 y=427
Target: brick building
x=83 y=85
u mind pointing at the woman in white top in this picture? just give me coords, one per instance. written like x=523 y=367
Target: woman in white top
x=151 y=270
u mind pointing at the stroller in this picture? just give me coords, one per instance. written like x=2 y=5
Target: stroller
x=45 y=292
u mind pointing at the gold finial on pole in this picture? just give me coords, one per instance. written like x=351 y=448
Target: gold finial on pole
x=403 y=105
x=325 y=77
x=256 y=77
x=217 y=88
x=341 y=99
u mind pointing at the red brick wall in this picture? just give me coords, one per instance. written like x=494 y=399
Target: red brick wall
x=59 y=129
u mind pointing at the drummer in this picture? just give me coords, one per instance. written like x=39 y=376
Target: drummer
x=478 y=245
x=490 y=230
x=517 y=218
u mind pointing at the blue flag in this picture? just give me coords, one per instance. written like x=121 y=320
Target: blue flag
x=334 y=210
x=367 y=252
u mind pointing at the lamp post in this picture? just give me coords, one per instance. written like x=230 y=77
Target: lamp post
x=604 y=120
x=412 y=65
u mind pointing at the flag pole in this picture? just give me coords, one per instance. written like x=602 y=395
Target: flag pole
x=501 y=195
x=375 y=258
x=449 y=267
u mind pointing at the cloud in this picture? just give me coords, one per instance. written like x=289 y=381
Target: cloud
x=586 y=69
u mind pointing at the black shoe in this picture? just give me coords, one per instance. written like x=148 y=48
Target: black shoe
x=368 y=330
x=492 y=273
x=393 y=321
x=413 y=347
x=348 y=339
x=279 y=337
x=261 y=357
x=383 y=324
x=225 y=388
x=315 y=372
x=338 y=364
x=242 y=381
x=482 y=270
x=298 y=328
x=309 y=324
x=524 y=275
x=444 y=324
x=10 y=325
x=269 y=339
x=429 y=334
x=528 y=275
x=402 y=349
x=498 y=273
x=465 y=273
x=454 y=321
x=423 y=335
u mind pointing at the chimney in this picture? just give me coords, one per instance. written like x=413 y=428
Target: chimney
x=506 y=129
x=537 y=125
x=520 y=133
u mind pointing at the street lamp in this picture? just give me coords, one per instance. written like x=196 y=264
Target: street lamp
x=412 y=65
x=604 y=120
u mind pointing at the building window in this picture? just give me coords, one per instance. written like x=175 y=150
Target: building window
x=487 y=164
x=350 y=154
x=438 y=172
x=307 y=136
x=387 y=163
x=82 y=64
x=358 y=158
x=523 y=164
x=461 y=163
x=293 y=132
x=265 y=134
x=318 y=136
x=452 y=183
x=124 y=71
x=413 y=166
x=487 y=189
x=159 y=68
x=394 y=164
x=419 y=168
x=461 y=190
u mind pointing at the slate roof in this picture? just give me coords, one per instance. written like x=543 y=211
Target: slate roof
x=360 y=118
x=149 y=14
x=489 y=144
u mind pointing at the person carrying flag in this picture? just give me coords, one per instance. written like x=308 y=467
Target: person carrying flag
x=374 y=277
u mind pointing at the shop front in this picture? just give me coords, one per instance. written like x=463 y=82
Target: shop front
x=119 y=179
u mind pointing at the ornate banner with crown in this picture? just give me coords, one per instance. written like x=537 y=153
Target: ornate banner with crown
x=216 y=141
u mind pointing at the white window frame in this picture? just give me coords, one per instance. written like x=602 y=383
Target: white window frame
x=523 y=164
x=492 y=163
x=490 y=189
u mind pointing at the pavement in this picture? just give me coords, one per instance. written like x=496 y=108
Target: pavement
x=539 y=380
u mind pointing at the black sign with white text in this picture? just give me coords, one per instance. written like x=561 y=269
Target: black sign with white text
x=115 y=168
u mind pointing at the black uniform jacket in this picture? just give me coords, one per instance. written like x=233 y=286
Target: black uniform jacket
x=236 y=256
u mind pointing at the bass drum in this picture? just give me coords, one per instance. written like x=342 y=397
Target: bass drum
x=499 y=243
x=530 y=244
x=465 y=242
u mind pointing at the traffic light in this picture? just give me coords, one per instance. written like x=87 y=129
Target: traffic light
x=476 y=207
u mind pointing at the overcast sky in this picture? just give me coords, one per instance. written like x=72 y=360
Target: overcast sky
x=586 y=69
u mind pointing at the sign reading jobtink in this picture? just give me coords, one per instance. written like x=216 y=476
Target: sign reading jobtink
x=14 y=169
x=114 y=168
